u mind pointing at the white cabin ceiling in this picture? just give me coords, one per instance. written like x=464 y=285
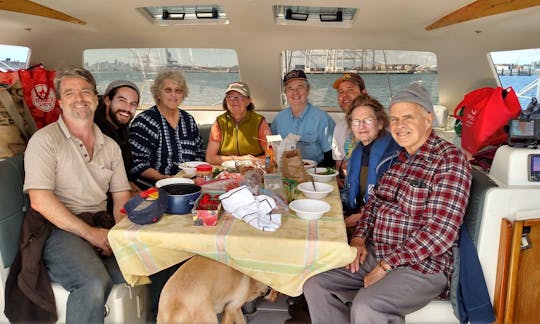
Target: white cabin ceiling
x=253 y=33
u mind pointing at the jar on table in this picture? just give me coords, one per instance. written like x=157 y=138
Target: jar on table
x=204 y=173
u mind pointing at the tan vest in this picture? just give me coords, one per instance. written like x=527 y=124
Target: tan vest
x=240 y=139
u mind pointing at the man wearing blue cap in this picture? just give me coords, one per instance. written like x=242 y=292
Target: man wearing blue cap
x=314 y=126
x=407 y=229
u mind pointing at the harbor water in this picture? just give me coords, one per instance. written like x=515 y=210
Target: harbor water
x=206 y=88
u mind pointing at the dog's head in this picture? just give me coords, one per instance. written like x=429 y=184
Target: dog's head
x=258 y=289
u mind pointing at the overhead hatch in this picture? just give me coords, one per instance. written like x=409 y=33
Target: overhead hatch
x=185 y=15
x=314 y=16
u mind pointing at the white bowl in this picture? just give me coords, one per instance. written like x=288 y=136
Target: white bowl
x=309 y=209
x=308 y=163
x=190 y=168
x=313 y=172
x=168 y=181
x=232 y=164
x=323 y=189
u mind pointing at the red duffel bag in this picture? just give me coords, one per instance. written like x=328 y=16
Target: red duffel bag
x=483 y=114
x=39 y=94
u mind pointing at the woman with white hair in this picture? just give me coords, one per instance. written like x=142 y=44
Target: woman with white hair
x=164 y=135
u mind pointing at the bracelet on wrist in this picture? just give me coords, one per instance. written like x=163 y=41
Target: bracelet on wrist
x=387 y=269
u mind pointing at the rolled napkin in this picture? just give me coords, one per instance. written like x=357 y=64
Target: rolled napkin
x=254 y=210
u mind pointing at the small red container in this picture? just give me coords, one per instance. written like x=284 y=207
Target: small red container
x=207 y=208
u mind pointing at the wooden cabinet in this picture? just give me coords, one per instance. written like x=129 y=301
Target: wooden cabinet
x=523 y=293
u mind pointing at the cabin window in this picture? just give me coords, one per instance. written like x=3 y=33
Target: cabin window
x=519 y=69
x=13 y=57
x=384 y=71
x=207 y=71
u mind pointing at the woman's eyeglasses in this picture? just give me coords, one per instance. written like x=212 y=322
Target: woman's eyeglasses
x=366 y=122
x=235 y=97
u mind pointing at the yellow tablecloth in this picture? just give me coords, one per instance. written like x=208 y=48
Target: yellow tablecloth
x=284 y=259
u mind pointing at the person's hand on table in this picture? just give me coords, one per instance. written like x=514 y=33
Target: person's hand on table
x=246 y=157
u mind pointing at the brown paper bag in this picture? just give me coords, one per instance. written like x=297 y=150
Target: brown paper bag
x=292 y=166
x=16 y=123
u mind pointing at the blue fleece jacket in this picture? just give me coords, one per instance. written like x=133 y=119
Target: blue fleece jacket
x=382 y=155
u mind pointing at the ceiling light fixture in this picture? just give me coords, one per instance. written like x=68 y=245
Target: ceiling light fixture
x=205 y=14
x=290 y=15
x=172 y=15
x=338 y=16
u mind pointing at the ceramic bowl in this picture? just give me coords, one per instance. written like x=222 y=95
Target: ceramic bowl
x=309 y=209
x=315 y=173
x=323 y=189
x=190 y=168
x=308 y=163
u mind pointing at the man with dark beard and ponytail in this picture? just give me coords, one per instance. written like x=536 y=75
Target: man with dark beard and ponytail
x=114 y=113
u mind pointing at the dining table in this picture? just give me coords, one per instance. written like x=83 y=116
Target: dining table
x=283 y=259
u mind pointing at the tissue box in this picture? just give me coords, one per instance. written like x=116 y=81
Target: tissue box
x=207 y=208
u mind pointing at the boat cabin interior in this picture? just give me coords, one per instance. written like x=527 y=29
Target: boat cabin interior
x=452 y=47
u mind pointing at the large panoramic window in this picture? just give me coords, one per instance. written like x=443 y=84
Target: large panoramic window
x=384 y=71
x=13 y=57
x=519 y=69
x=207 y=71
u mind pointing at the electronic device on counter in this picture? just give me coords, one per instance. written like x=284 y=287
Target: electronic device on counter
x=524 y=129
x=534 y=167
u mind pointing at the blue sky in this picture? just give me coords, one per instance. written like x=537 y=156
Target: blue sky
x=517 y=57
x=15 y=53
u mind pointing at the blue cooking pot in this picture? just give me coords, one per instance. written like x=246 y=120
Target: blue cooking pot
x=182 y=197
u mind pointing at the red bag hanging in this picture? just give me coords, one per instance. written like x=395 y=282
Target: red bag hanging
x=39 y=94
x=483 y=114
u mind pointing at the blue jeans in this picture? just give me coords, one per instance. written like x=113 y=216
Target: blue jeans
x=89 y=277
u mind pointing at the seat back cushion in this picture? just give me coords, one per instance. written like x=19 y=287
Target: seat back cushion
x=13 y=205
x=481 y=183
x=204 y=131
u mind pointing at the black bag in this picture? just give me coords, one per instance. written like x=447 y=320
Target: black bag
x=532 y=111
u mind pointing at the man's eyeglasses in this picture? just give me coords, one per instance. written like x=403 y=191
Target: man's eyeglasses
x=235 y=97
x=366 y=122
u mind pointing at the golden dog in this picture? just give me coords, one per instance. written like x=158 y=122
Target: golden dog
x=202 y=288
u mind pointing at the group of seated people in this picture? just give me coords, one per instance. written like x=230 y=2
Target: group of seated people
x=405 y=188
x=162 y=136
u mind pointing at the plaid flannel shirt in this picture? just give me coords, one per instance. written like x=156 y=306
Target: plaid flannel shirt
x=414 y=216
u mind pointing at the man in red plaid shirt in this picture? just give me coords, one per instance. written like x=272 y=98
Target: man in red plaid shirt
x=408 y=227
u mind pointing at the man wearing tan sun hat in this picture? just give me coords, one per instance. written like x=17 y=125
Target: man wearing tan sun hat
x=348 y=87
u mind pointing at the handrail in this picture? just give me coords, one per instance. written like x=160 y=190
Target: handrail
x=529 y=87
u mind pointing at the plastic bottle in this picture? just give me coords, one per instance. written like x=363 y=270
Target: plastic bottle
x=270 y=161
x=204 y=173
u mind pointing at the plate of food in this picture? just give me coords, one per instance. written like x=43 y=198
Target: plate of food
x=322 y=174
